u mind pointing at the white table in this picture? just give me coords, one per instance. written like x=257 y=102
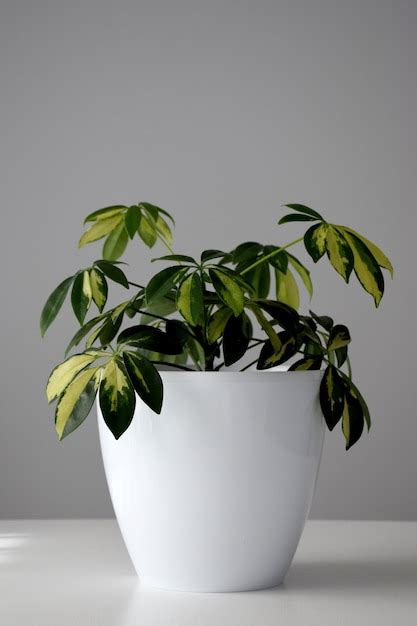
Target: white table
x=78 y=573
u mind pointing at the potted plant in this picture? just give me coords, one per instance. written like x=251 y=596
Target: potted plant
x=211 y=453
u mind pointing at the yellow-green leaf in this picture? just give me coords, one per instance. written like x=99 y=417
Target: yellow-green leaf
x=116 y=243
x=366 y=268
x=63 y=373
x=303 y=273
x=117 y=397
x=190 y=299
x=76 y=402
x=98 y=288
x=379 y=256
x=163 y=229
x=100 y=229
x=339 y=253
x=147 y=231
x=287 y=290
x=217 y=324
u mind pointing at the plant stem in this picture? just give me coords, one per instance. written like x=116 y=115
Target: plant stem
x=248 y=365
x=136 y=285
x=270 y=255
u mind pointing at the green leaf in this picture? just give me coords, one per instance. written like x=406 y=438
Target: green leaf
x=341 y=355
x=217 y=324
x=177 y=332
x=190 y=299
x=181 y=258
x=147 y=231
x=355 y=391
x=274 y=339
x=113 y=272
x=324 y=321
x=54 y=303
x=76 y=402
x=339 y=337
x=116 y=243
x=352 y=418
x=247 y=251
x=208 y=255
x=228 y=290
x=108 y=211
x=100 y=229
x=331 y=396
x=303 y=273
x=236 y=337
x=155 y=210
x=110 y=329
x=379 y=256
x=81 y=295
x=150 y=338
x=162 y=307
x=308 y=363
x=260 y=279
x=286 y=288
x=132 y=219
x=279 y=260
x=366 y=268
x=99 y=288
x=65 y=372
x=315 y=241
x=163 y=229
x=145 y=379
x=296 y=217
x=163 y=282
x=339 y=253
x=83 y=331
x=301 y=208
x=117 y=397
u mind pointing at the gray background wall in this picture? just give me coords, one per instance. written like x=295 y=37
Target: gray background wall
x=220 y=111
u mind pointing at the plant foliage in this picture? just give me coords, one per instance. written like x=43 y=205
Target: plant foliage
x=205 y=314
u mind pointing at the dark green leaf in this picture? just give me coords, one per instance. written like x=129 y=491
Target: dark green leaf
x=366 y=268
x=247 y=251
x=208 y=255
x=163 y=282
x=84 y=330
x=269 y=357
x=359 y=396
x=54 y=303
x=182 y=258
x=352 y=418
x=296 y=217
x=177 y=331
x=324 y=321
x=113 y=272
x=150 y=338
x=286 y=316
x=260 y=279
x=132 y=219
x=236 y=337
x=145 y=379
x=301 y=208
x=341 y=355
x=154 y=210
x=331 y=396
x=110 y=329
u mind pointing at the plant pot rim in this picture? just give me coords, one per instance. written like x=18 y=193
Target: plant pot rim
x=246 y=374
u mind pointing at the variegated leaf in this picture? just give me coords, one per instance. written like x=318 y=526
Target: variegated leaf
x=147 y=230
x=366 y=268
x=190 y=299
x=64 y=373
x=99 y=288
x=308 y=363
x=315 y=241
x=100 y=229
x=380 y=257
x=108 y=211
x=339 y=253
x=269 y=357
x=228 y=290
x=145 y=379
x=163 y=229
x=339 y=337
x=117 y=397
x=331 y=396
x=352 y=418
x=303 y=273
x=116 y=243
x=75 y=403
x=81 y=295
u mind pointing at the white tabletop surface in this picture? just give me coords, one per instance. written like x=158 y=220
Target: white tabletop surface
x=78 y=573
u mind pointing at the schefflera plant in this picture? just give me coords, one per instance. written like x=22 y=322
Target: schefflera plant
x=205 y=314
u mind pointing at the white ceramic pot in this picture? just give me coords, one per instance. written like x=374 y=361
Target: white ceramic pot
x=213 y=494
